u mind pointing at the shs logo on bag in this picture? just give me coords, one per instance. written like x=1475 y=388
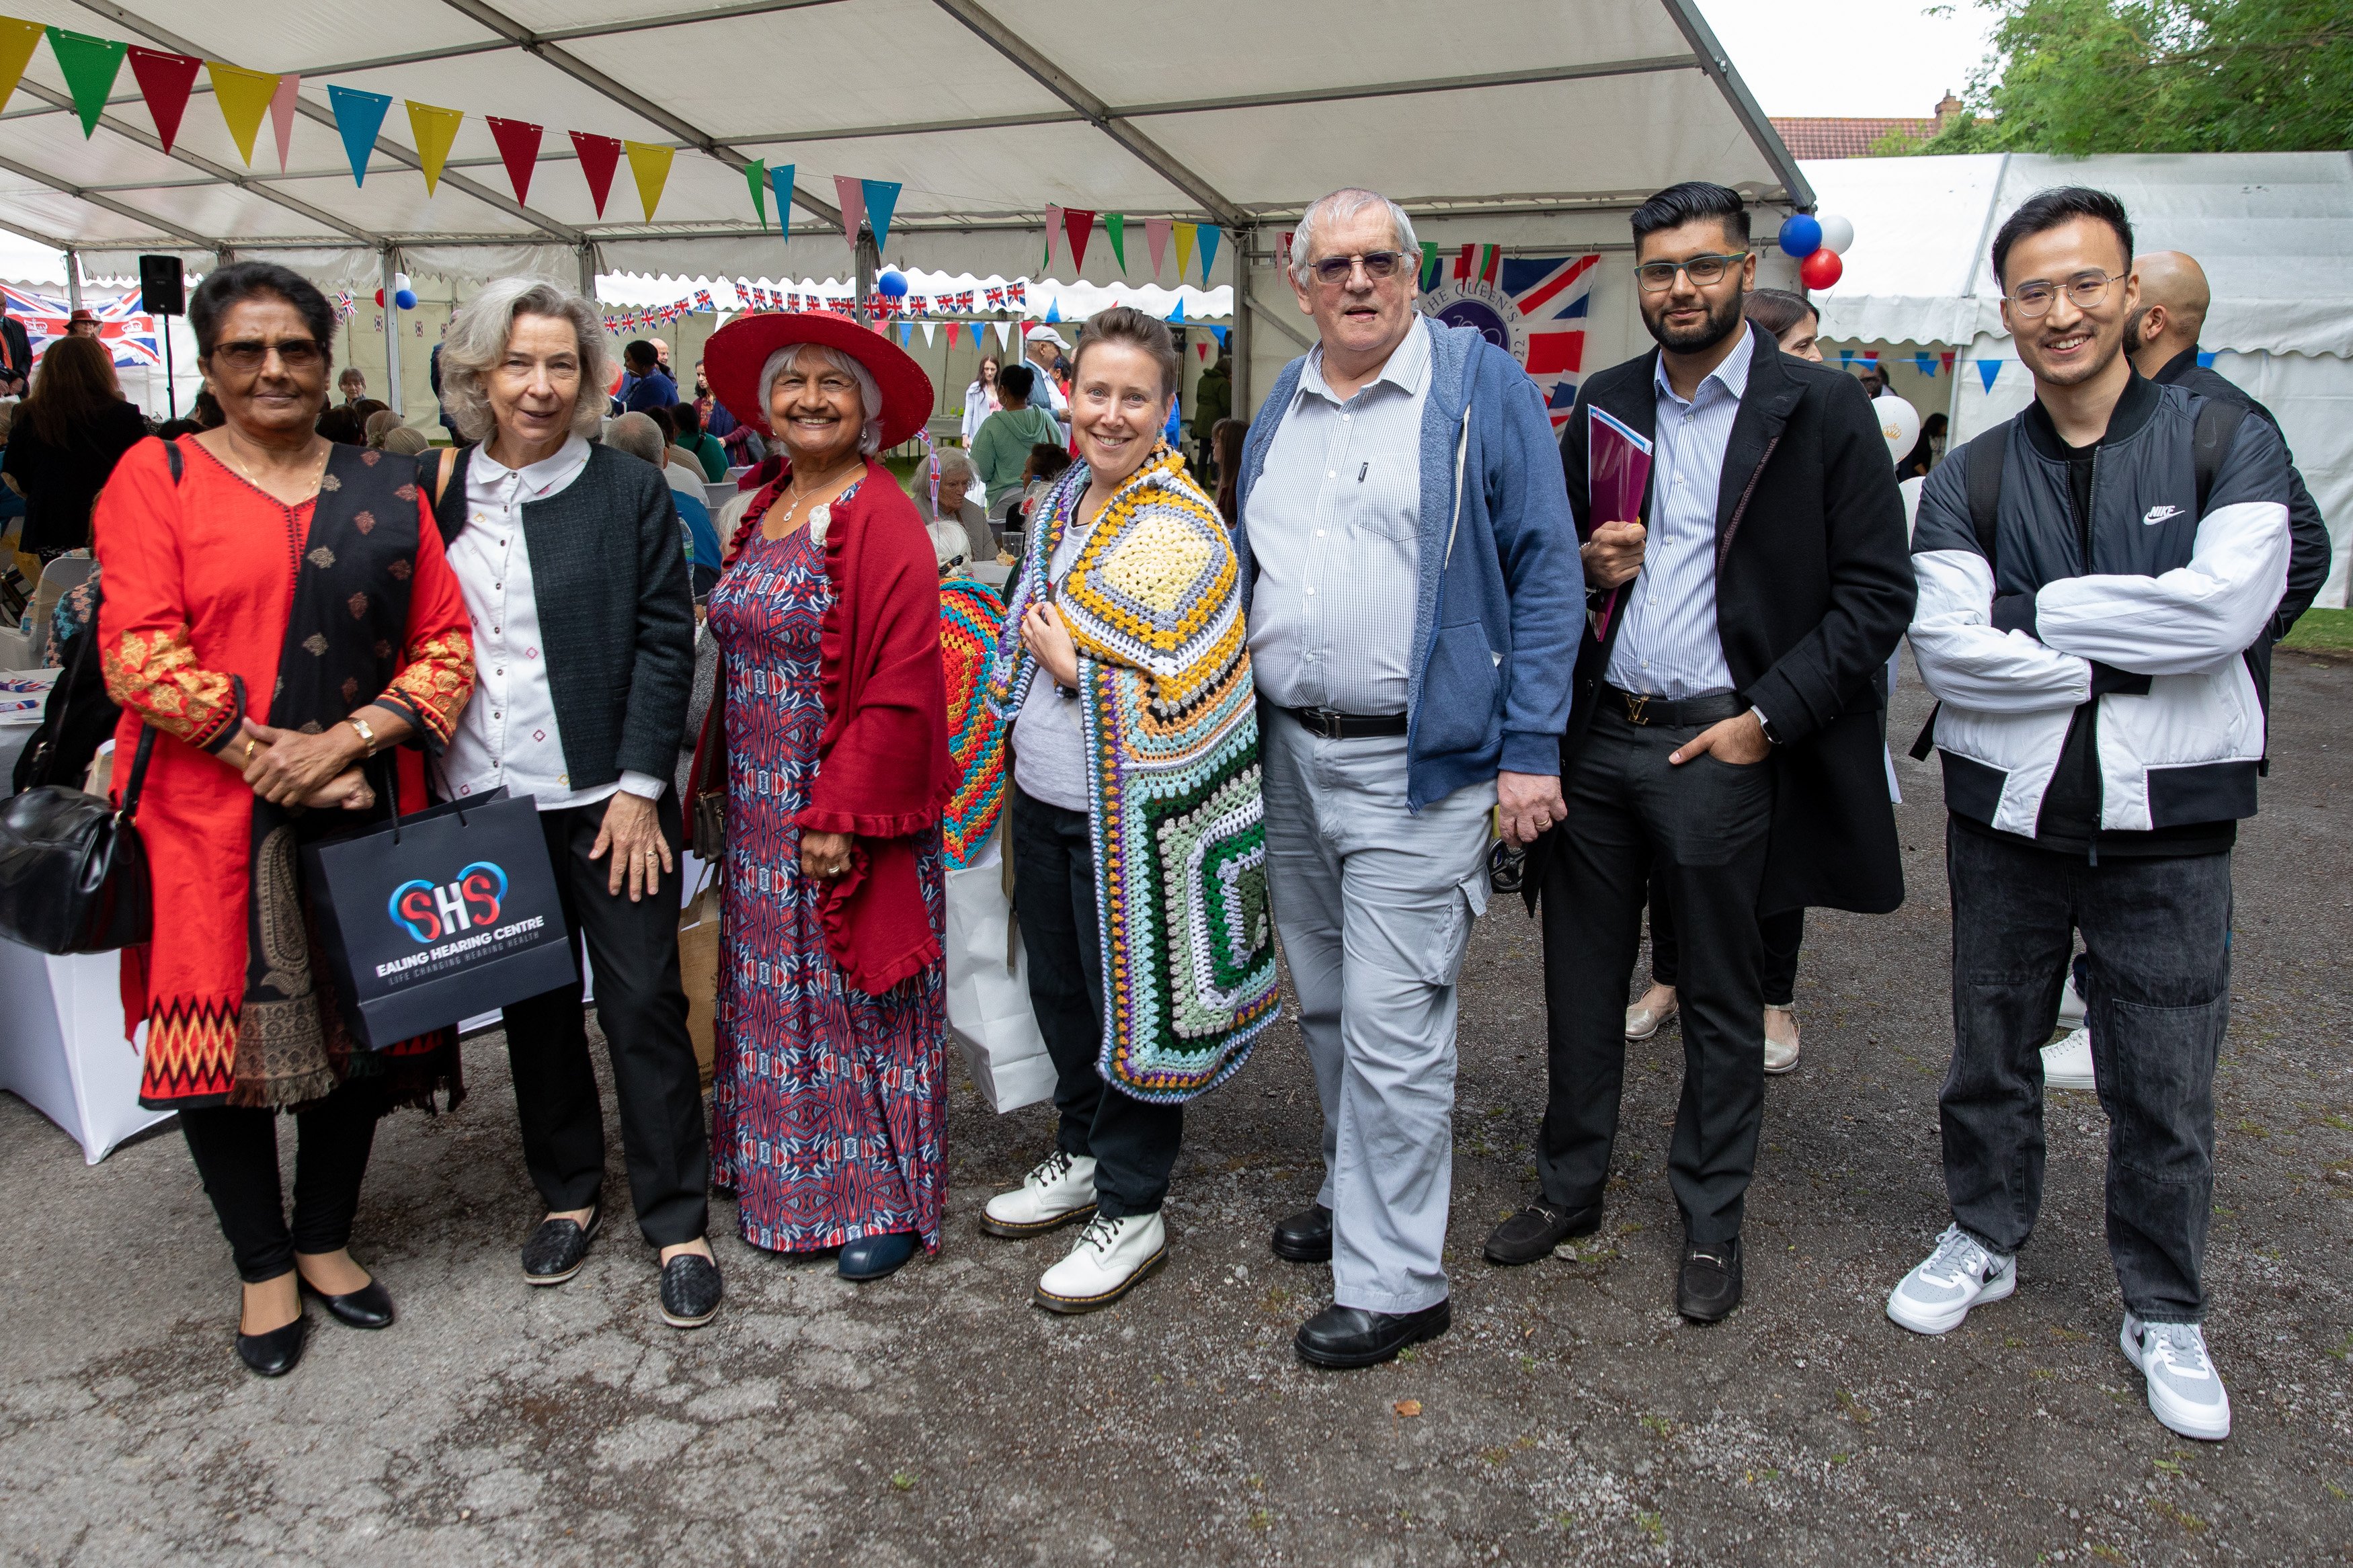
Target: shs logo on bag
x=455 y=922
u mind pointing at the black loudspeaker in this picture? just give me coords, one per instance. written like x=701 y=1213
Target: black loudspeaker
x=160 y=286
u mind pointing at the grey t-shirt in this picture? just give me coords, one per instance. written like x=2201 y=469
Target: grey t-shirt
x=1050 y=742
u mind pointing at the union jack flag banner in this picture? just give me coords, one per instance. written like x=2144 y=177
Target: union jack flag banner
x=345 y=309
x=1532 y=306
x=996 y=299
x=124 y=326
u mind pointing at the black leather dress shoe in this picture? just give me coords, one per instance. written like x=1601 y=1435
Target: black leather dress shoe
x=1532 y=1234
x=1708 y=1286
x=1306 y=1237
x=273 y=1354
x=690 y=1291
x=1350 y=1336
x=369 y=1307
x=559 y=1247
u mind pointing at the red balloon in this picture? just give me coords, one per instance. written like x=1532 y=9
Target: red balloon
x=379 y=298
x=1820 y=269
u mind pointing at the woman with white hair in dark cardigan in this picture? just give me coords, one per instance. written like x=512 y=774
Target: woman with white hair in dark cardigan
x=584 y=628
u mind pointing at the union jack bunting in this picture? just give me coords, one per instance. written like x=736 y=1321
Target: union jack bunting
x=996 y=299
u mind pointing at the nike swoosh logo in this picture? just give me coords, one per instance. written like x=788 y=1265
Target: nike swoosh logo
x=2158 y=514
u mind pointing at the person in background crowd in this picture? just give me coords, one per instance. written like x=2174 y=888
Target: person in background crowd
x=647 y=385
x=1213 y=402
x=16 y=354
x=1394 y=733
x=265 y=691
x=69 y=434
x=1928 y=451
x=661 y=357
x=352 y=384
x=1728 y=724
x=2101 y=741
x=717 y=423
x=1002 y=447
x=433 y=375
x=1226 y=439
x=173 y=429
x=12 y=504
x=403 y=442
x=377 y=426
x=1045 y=465
x=1796 y=327
x=980 y=398
x=584 y=632
x=1118 y=716
x=81 y=325
x=344 y=424
x=975 y=541
x=207 y=410
x=367 y=409
x=1873 y=379
x=827 y=743
x=1044 y=348
x=689 y=438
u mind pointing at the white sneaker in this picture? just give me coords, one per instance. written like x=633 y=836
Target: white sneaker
x=1112 y=1256
x=2185 y=1391
x=1936 y=1295
x=1780 y=1043
x=2067 y=1064
x=1058 y=1189
x=2071 y=1002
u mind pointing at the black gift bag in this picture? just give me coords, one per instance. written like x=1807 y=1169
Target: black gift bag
x=438 y=916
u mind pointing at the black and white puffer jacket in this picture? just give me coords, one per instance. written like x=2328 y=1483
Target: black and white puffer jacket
x=2150 y=621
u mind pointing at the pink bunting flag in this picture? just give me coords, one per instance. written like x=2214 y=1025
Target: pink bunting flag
x=281 y=115
x=1156 y=233
x=850 y=192
x=1053 y=225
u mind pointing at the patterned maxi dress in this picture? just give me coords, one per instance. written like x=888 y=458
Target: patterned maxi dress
x=828 y=1104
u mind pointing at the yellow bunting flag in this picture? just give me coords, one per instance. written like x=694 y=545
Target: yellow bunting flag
x=433 y=130
x=651 y=165
x=17 y=41
x=243 y=97
x=1185 y=232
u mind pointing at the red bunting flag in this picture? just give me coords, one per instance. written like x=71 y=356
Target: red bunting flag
x=519 y=151
x=164 y=82
x=1080 y=223
x=600 y=156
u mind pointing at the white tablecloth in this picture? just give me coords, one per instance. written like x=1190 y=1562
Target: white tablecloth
x=61 y=1045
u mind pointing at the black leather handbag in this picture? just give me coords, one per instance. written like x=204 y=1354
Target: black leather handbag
x=73 y=873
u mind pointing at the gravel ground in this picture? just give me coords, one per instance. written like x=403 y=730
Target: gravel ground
x=1570 y=1416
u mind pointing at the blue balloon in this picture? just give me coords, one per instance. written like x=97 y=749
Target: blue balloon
x=1801 y=235
x=406 y=299
x=892 y=282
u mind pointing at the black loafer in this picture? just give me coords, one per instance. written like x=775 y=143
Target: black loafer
x=369 y=1307
x=1532 y=1234
x=690 y=1291
x=559 y=1247
x=273 y=1354
x=1350 y=1336
x=1708 y=1285
x=1306 y=1237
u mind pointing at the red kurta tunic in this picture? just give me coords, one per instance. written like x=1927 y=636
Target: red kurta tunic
x=198 y=583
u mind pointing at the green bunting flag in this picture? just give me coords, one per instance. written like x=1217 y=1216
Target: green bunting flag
x=1115 y=230
x=755 y=174
x=90 y=65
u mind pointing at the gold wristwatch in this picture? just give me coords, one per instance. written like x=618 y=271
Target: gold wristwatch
x=366 y=736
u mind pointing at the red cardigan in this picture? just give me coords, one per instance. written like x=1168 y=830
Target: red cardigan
x=883 y=773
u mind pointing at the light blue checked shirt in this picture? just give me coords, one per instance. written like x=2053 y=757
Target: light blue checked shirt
x=1668 y=646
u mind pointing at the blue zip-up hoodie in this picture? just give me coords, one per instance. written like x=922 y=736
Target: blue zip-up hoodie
x=1502 y=598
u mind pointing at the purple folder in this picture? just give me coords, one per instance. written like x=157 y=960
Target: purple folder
x=1618 y=476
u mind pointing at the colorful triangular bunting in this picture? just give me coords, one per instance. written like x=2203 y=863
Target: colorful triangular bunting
x=649 y=165
x=755 y=174
x=281 y=115
x=1155 y=236
x=243 y=97
x=1987 y=370
x=1185 y=232
x=780 y=181
x=1210 y=234
x=164 y=82
x=2205 y=359
x=880 y=198
x=16 y=42
x=90 y=66
x=851 y=196
x=1054 y=224
x=1115 y=230
x=358 y=117
x=1004 y=334
x=432 y=129
x=1080 y=225
x=600 y=156
x=518 y=143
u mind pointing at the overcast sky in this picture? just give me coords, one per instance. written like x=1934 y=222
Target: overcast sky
x=1849 y=57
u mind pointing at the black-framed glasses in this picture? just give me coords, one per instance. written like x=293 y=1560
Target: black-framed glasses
x=1381 y=266
x=2084 y=291
x=248 y=354
x=1658 y=277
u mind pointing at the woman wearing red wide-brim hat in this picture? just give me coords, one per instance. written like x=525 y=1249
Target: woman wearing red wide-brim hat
x=826 y=754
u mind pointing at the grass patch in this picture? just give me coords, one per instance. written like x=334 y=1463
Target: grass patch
x=2322 y=631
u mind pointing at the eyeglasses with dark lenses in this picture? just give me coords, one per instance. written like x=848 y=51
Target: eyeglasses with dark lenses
x=297 y=354
x=1381 y=266
x=1704 y=271
x=2084 y=291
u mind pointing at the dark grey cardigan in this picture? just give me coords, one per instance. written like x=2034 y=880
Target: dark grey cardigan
x=615 y=612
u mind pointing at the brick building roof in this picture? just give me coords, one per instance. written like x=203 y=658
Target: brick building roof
x=1844 y=138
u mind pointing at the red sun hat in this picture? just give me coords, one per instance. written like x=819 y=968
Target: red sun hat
x=732 y=359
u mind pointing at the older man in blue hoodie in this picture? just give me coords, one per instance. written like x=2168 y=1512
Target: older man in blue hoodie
x=1415 y=601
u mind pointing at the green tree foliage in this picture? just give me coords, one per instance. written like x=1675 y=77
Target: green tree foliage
x=2157 y=75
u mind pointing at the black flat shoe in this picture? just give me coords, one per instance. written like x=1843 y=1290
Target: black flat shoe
x=1350 y=1336
x=273 y=1354
x=1532 y=1234
x=1707 y=1287
x=369 y=1307
x=690 y=1291
x=559 y=1247
x=1306 y=1237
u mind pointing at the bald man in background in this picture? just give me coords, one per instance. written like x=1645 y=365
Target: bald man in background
x=2163 y=343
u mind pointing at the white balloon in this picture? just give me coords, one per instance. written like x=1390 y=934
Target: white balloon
x=1838 y=233
x=1899 y=422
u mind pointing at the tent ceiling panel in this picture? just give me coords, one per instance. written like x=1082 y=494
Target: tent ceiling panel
x=393 y=202
x=509 y=83
x=1014 y=172
x=53 y=211
x=304 y=37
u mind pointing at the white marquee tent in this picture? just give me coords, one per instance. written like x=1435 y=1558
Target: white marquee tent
x=2274 y=232
x=1533 y=124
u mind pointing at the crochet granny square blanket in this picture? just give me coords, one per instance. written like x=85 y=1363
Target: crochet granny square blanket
x=1153 y=603
x=972 y=617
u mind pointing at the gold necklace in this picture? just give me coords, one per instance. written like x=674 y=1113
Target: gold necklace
x=252 y=479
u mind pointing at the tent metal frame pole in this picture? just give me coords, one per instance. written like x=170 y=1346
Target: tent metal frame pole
x=119 y=209
x=392 y=331
x=73 y=281
x=1718 y=66
x=1237 y=244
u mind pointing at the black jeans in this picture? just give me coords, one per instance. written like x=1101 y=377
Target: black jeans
x=1783 y=933
x=2157 y=939
x=641 y=1006
x=1704 y=825
x=234 y=1148
x=1133 y=1141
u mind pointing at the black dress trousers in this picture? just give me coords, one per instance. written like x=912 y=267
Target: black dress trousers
x=641 y=1007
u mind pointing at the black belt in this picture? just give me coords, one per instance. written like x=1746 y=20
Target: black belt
x=1325 y=724
x=1682 y=712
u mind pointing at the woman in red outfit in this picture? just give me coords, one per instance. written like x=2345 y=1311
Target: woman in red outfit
x=277 y=612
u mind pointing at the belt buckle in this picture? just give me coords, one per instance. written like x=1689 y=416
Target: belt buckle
x=1637 y=704
x=1324 y=723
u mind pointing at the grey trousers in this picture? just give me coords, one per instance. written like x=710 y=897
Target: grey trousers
x=1374 y=906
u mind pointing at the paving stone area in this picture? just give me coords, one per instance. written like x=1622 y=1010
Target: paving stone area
x=1570 y=1416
